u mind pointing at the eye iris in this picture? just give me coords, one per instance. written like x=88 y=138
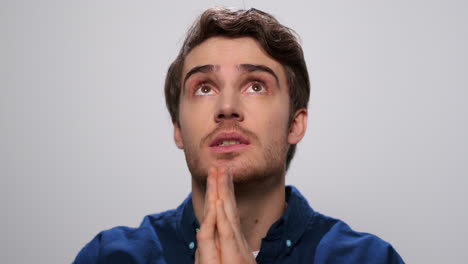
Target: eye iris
x=256 y=88
x=205 y=89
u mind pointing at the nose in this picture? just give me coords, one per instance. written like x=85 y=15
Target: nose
x=228 y=107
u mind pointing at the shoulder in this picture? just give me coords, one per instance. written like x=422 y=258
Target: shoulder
x=341 y=244
x=124 y=244
x=329 y=240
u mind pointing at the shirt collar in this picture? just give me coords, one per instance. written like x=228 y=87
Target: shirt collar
x=289 y=227
x=187 y=223
x=295 y=218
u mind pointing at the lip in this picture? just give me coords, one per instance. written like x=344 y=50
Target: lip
x=243 y=142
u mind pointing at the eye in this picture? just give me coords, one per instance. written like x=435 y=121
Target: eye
x=204 y=89
x=256 y=87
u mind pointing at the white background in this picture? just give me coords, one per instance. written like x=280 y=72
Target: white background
x=86 y=141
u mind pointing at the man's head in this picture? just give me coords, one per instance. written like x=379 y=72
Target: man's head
x=240 y=77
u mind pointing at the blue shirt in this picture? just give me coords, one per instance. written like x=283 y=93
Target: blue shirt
x=301 y=235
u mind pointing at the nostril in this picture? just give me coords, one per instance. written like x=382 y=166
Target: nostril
x=234 y=116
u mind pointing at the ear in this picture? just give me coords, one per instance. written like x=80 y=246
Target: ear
x=177 y=135
x=298 y=126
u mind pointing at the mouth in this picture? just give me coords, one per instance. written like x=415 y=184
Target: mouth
x=229 y=142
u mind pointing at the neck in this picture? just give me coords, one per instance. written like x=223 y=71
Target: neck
x=259 y=206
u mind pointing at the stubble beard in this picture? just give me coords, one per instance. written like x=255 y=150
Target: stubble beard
x=246 y=173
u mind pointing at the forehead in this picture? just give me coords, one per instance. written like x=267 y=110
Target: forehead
x=231 y=52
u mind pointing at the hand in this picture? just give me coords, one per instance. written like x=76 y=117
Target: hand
x=220 y=239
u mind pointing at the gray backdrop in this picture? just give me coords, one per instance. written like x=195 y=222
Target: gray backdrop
x=86 y=141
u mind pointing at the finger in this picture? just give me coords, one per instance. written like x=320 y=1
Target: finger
x=233 y=248
x=211 y=196
x=227 y=238
x=207 y=250
x=226 y=193
x=197 y=256
x=211 y=192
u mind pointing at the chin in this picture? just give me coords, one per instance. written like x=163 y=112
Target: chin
x=245 y=172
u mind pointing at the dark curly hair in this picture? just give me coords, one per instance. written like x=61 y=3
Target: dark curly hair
x=278 y=41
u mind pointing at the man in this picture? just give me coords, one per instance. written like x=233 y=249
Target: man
x=237 y=94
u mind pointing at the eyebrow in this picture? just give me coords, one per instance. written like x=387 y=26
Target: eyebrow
x=202 y=68
x=243 y=67
x=260 y=68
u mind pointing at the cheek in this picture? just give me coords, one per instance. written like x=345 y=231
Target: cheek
x=275 y=109
x=195 y=118
x=269 y=119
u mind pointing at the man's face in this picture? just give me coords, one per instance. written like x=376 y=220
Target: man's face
x=233 y=111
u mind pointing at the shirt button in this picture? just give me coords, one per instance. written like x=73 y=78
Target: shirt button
x=191 y=245
x=288 y=243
